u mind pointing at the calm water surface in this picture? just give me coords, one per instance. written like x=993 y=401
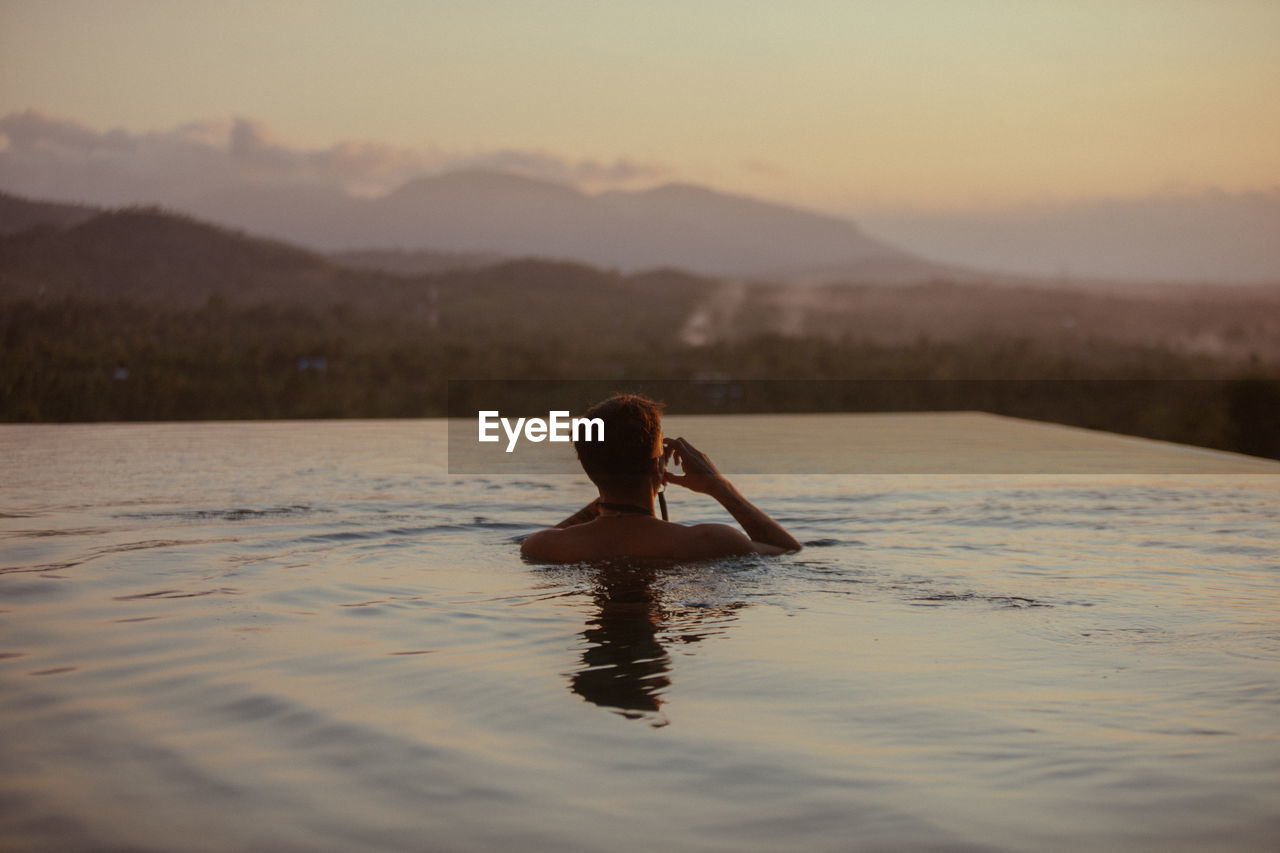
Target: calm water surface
x=308 y=636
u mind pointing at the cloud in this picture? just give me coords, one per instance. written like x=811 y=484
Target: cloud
x=58 y=158
x=586 y=173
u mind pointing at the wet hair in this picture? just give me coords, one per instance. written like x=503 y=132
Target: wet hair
x=632 y=425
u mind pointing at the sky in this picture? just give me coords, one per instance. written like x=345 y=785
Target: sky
x=858 y=108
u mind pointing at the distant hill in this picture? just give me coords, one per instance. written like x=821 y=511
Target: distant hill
x=681 y=226
x=20 y=214
x=150 y=257
x=402 y=262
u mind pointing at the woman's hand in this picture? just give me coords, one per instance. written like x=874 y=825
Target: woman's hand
x=700 y=475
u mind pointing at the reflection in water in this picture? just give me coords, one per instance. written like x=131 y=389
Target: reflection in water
x=625 y=664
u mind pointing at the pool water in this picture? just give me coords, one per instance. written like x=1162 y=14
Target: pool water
x=310 y=636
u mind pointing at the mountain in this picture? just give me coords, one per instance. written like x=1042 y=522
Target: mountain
x=160 y=262
x=411 y=263
x=20 y=214
x=681 y=226
x=149 y=255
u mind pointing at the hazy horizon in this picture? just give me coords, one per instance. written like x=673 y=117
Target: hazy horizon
x=1177 y=234
x=1123 y=139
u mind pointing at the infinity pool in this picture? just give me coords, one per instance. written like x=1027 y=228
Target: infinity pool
x=310 y=636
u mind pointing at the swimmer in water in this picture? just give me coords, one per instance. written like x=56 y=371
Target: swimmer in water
x=629 y=469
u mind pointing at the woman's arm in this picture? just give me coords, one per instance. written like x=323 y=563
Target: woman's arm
x=700 y=475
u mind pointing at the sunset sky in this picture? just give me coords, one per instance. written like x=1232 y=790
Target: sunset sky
x=840 y=105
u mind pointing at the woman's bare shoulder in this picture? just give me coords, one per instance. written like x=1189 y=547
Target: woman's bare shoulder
x=726 y=540
x=544 y=545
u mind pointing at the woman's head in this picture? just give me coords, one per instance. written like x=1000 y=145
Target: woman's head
x=624 y=459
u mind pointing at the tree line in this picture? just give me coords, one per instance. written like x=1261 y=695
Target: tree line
x=77 y=359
